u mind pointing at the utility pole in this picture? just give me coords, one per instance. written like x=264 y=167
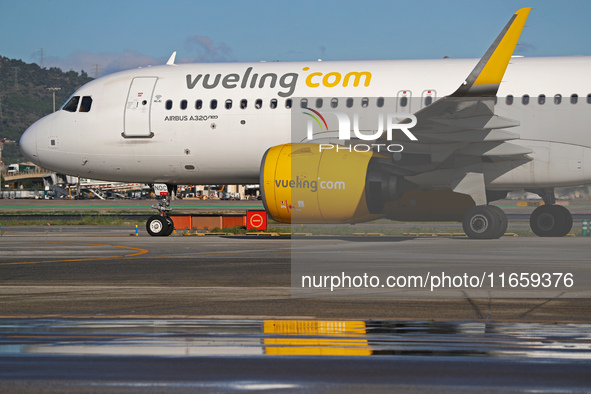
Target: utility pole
x=41 y=58
x=53 y=90
x=97 y=68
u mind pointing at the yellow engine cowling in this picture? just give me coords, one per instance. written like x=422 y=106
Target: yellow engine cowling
x=304 y=183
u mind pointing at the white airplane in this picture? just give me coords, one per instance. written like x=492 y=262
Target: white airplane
x=451 y=135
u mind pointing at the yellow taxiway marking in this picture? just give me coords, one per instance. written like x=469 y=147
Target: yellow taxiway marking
x=139 y=252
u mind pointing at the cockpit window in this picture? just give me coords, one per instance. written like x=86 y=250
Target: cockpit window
x=72 y=105
x=86 y=104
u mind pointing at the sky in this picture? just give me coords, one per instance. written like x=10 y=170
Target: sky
x=124 y=34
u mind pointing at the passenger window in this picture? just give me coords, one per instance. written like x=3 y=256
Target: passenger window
x=403 y=101
x=574 y=98
x=428 y=100
x=304 y=103
x=525 y=99
x=168 y=104
x=183 y=104
x=243 y=104
x=557 y=99
x=72 y=105
x=228 y=104
x=509 y=99
x=380 y=102
x=86 y=104
x=198 y=104
x=542 y=99
x=288 y=103
x=334 y=103
x=213 y=104
x=364 y=102
x=318 y=103
x=258 y=104
x=349 y=102
x=273 y=104
x=589 y=99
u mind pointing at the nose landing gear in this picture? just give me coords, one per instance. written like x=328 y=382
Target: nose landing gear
x=162 y=224
x=158 y=225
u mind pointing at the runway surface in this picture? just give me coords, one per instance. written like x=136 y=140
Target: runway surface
x=96 y=309
x=107 y=272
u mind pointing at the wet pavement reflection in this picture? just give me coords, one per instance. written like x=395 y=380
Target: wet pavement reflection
x=232 y=338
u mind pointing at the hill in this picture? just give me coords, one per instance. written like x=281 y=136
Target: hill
x=24 y=98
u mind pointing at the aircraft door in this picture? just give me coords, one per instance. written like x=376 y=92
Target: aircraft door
x=137 y=108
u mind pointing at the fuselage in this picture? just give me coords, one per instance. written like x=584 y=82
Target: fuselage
x=212 y=123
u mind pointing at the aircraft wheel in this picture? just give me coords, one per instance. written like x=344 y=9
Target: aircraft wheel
x=504 y=223
x=482 y=222
x=551 y=221
x=157 y=226
x=170 y=227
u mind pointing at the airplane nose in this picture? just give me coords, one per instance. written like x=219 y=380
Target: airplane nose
x=28 y=144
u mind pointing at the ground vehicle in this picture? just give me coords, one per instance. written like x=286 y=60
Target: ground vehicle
x=24 y=168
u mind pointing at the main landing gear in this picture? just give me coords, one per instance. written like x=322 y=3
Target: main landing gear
x=490 y=222
x=161 y=224
x=485 y=222
x=550 y=220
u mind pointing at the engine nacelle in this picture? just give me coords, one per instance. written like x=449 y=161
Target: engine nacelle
x=429 y=205
x=310 y=183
